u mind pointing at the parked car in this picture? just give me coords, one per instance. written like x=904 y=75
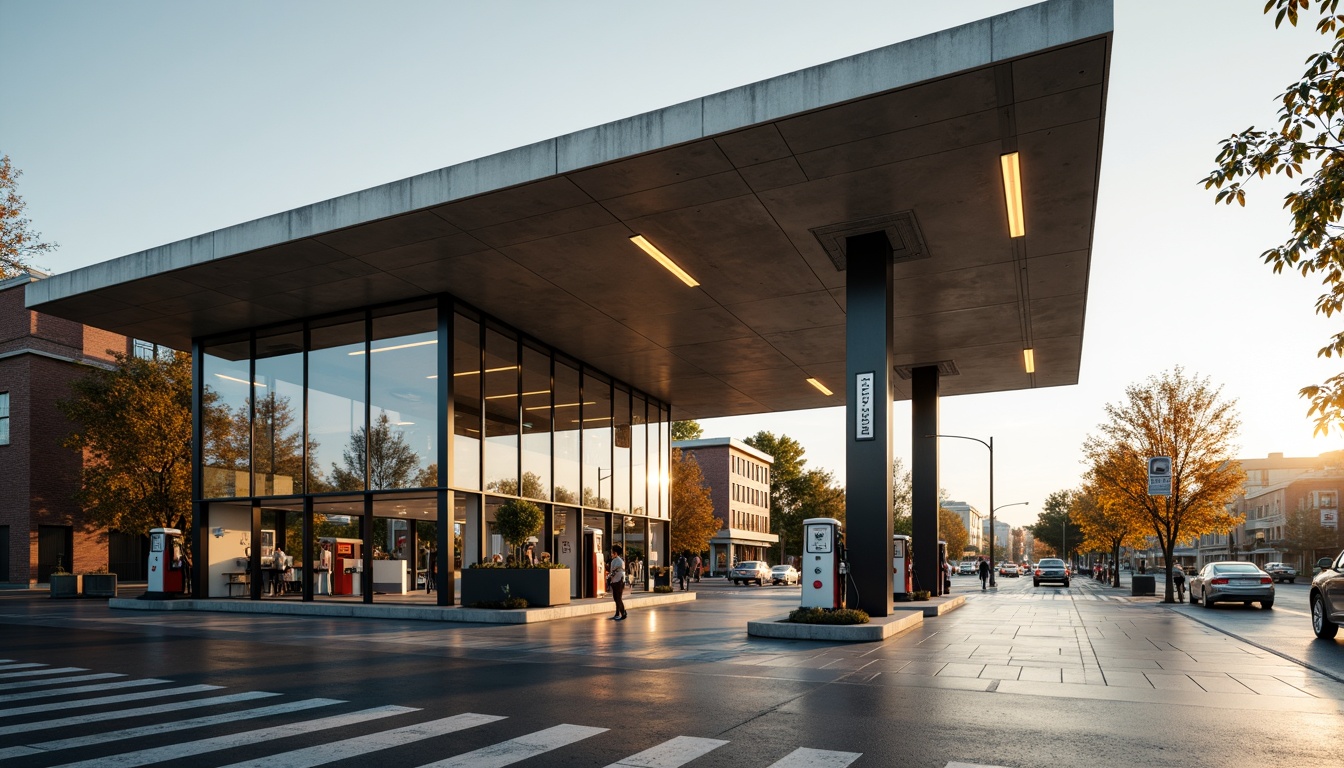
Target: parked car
x=750 y=570
x=1009 y=569
x=1327 y=597
x=966 y=568
x=1232 y=582
x=784 y=574
x=1050 y=569
x=1281 y=572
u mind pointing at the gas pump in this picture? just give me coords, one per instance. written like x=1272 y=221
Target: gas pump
x=944 y=584
x=594 y=563
x=347 y=556
x=823 y=568
x=167 y=565
x=902 y=568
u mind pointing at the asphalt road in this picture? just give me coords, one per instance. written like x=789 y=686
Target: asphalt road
x=1021 y=676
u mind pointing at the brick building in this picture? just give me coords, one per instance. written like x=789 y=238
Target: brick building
x=739 y=481
x=41 y=525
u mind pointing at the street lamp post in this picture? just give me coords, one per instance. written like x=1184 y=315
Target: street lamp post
x=990 y=446
x=991 y=524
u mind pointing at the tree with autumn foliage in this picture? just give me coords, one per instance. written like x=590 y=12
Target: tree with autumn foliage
x=1105 y=526
x=691 y=509
x=953 y=531
x=134 y=428
x=1189 y=420
x=18 y=242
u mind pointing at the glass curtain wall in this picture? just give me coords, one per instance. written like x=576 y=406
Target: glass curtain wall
x=345 y=409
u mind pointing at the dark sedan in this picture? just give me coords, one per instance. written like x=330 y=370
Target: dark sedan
x=1327 y=598
x=1050 y=569
x=1232 y=582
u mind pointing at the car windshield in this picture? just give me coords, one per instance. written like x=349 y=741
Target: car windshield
x=750 y=564
x=1050 y=564
x=1236 y=568
x=781 y=567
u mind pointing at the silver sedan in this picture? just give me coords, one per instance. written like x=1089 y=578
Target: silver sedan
x=1232 y=582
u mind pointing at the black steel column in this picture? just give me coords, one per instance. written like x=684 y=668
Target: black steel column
x=924 y=477
x=445 y=585
x=868 y=370
x=309 y=554
x=200 y=533
x=366 y=534
x=257 y=578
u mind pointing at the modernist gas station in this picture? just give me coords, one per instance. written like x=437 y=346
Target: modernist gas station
x=907 y=223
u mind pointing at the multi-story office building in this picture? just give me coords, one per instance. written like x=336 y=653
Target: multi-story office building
x=975 y=525
x=738 y=477
x=41 y=525
x=1002 y=535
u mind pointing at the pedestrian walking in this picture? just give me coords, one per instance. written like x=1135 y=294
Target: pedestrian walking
x=683 y=571
x=695 y=568
x=616 y=580
x=984 y=574
x=1178 y=581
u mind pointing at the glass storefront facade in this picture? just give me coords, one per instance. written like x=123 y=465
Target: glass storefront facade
x=332 y=447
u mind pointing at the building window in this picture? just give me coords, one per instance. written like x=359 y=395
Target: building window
x=4 y=418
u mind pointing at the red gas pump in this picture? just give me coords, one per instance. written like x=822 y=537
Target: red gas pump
x=349 y=563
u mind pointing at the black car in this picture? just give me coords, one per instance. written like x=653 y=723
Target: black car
x=1050 y=569
x=1327 y=598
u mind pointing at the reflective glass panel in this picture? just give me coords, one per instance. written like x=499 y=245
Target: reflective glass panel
x=403 y=379
x=566 y=443
x=621 y=438
x=225 y=419
x=639 y=456
x=466 y=403
x=536 y=400
x=596 y=422
x=277 y=426
x=664 y=444
x=336 y=409
x=501 y=413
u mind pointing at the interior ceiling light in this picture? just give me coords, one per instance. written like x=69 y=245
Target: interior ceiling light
x=240 y=381
x=821 y=387
x=487 y=370
x=1012 y=193
x=560 y=405
x=661 y=258
x=525 y=394
x=396 y=346
x=1029 y=358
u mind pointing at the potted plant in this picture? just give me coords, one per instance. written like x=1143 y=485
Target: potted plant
x=100 y=583
x=662 y=577
x=539 y=584
x=63 y=583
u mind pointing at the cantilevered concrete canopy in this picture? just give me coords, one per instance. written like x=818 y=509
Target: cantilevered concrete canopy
x=742 y=189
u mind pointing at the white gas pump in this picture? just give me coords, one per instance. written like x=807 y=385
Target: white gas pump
x=595 y=562
x=167 y=569
x=823 y=567
x=902 y=568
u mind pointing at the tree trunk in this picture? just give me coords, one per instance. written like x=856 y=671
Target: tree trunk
x=1168 y=547
x=1115 y=567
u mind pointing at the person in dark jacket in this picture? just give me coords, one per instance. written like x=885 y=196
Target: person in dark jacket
x=984 y=573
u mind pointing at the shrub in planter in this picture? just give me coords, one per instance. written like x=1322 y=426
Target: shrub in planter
x=920 y=594
x=823 y=616
x=66 y=584
x=663 y=588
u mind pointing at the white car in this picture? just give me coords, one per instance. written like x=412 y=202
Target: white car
x=784 y=574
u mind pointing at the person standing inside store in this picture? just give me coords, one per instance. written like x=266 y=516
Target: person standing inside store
x=695 y=568
x=323 y=569
x=432 y=571
x=984 y=573
x=616 y=580
x=277 y=571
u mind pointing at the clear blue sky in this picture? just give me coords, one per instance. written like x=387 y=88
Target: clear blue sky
x=138 y=124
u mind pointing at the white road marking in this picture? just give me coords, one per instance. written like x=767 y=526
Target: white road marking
x=36 y=672
x=164 y=728
x=955 y=764
x=157 y=709
x=362 y=745
x=5 y=699
x=202 y=746
x=816 y=758
x=59 y=681
x=521 y=748
x=14 y=711
x=7 y=667
x=671 y=753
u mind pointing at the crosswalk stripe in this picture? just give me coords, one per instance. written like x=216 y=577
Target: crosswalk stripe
x=157 y=709
x=671 y=753
x=5 y=699
x=816 y=758
x=362 y=745
x=77 y=742
x=59 y=681
x=30 y=665
x=15 y=711
x=37 y=672
x=521 y=748
x=202 y=746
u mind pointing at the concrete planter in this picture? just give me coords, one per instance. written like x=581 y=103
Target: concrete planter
x=1144 y=586
x=100 y=585
x=66 y=584
x=538 y=586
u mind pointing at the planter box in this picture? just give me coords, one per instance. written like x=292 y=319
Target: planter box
x=1143 y=586
x=662 y=581
x=66 y=584
x=100 y=585
x=538 y=586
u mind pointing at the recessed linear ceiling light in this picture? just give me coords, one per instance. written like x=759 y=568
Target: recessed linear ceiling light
x=1012 y=193
x=396 y=346
x=661 y=258
x=560 y=405
x=1029 y=358
x=821 y=387
x=525 y=394
x=240 y=381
